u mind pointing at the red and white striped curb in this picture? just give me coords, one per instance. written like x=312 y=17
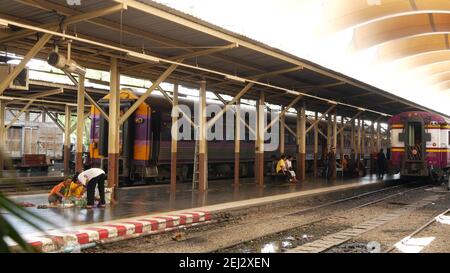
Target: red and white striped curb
x=59 y=240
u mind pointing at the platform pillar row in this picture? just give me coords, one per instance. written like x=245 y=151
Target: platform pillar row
x=113 y=128
x=174 y=148
x=316 y=143
x=301 y=136
x=334 y=144
x=80 y=125
x=341 y=140
x=363 y=140
x=352 y=135
x=237 y=142
x=2 y=133
x=67 y=126
x=378 y=136
x=358 y=141
x=202 y=156
x=260 y=131
x=282 y=132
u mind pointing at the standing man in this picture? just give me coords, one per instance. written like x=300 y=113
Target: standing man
x=90 y=178
x=381 y=162
x=331 y=162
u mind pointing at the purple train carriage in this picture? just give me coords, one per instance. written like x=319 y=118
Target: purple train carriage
x=420 y=145
x=145 y=139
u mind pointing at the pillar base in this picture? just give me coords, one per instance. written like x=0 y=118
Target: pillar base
x=113 y=170
x=66 y=158
x=259 y=170
x=173 y=172
x=79 y=162
x=236 y=168
x=316 y=157
x=202 y=173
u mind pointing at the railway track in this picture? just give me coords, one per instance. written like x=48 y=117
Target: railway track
x=205 y=234
x=433 y=220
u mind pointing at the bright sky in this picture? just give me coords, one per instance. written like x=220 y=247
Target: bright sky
x=292 y=25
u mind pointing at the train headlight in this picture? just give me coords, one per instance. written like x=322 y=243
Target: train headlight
x=139 y=120
x=414 y=152
x=434 y=144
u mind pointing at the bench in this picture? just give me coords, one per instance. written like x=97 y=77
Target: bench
x=277 y=176
x=33 y=161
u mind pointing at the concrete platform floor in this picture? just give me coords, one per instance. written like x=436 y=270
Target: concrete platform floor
x=142 y=200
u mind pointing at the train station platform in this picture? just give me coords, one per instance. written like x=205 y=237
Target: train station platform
x=154 y=207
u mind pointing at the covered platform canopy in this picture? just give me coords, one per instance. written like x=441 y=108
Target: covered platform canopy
x=147 y=40
x=197 y=49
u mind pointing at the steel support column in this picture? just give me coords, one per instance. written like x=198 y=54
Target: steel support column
x=282 y=132
x=341 y=141
x=2 y=134
x=203 y=154
x=67 y=125
x=316 y=143
x=260 y=131
x=113 y=124
x=174 y=148
x=363 y=140
x=334 y=144
x=237 y=142
x=301 y=136
x=358 y=142
x=80 y=125
x=352 y=136
x=378 y=136
x=329 y=131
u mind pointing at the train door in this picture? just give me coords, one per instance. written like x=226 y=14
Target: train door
x=156 y=127
x=415 y=139
x=415 y=144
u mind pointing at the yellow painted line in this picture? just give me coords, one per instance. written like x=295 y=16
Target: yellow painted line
x=438 y=150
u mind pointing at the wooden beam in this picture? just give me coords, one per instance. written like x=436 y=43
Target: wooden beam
x=80 y=126
x=203 y=154
x=317 y=121
x=16 y=117
x=33 y=51
x=189 y=55
x=88 y=97
x=147 y=94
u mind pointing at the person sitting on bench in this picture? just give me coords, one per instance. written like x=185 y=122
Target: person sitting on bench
x=281 y=166
x=290 y=170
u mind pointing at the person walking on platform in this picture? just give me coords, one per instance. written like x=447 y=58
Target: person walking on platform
x=352 y=163
x=381 y=162
x=90 y=178
x=331 y=162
